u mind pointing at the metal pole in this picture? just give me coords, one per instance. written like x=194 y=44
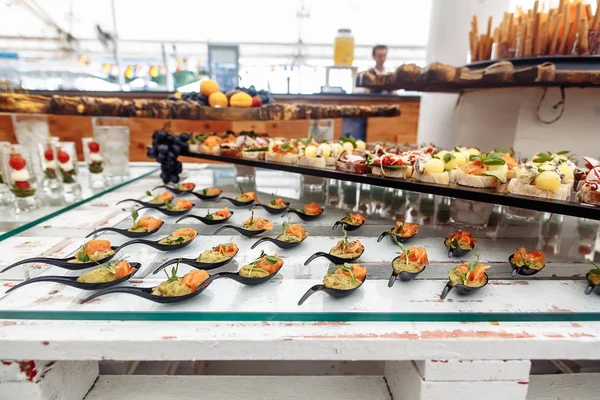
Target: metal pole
x=116 y=46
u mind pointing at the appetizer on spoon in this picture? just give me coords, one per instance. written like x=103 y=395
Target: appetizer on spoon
x=401 y=232
x=292 y=236
x=146 y=226
x=340 y=281
x=213 y=258
x=275 y=206
x=217 y=217
x=344 y=251
x=180 y=207
x=208 y=193
x=466 y=278
x=100 y=277
x=156 y=202
x=593 y=278
x=410 y=263
x=308 y=213
x=176 y=240
x=527 y=263
x=182 y=188
x=243 y=199
x=89 y=255
x=251 y=227
x=350 y=222
x=175 y=289
x=259 y=271
x=459 y=243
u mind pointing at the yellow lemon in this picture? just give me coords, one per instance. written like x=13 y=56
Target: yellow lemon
x=217 y=99
x=208 y=87
x=240 y=99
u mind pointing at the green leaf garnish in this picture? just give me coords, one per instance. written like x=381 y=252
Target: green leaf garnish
x=272 y=259
x=83 y=257
x=134 y=217
x=563 y=152
x=448 y=157
x=149 y=193
x=594 y=270
x=173 y=277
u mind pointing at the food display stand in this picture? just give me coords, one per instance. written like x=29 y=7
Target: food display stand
x=459 y=347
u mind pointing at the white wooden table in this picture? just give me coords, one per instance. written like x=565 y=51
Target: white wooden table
x=423 y=360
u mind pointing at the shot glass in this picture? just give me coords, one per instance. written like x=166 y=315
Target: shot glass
x=94 y=162
x=66 y=158
x=19 y=176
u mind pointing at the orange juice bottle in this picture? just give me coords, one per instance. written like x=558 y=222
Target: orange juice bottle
x=343 y=52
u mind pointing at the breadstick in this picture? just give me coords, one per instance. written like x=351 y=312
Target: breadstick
x=596 y=24
x=588 y=12
x=583 y=38
x=563 y=42
x=528 y=39
x=577 y=27
x=555 y=34
x=489 y=27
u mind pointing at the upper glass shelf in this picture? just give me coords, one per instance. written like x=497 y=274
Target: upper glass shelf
x=12 y=223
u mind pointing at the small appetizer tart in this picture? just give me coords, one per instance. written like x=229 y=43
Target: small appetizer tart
x=256 y=223
x=511 y=163
x=330 y=152
x=351 y=221
x=312 y=209
x=527 y=263
x=232 y=145
x=115 y=270
x=93 y=250
x=392 y=165
x=179 y=236
x=312 y=156
x=459 y=243
x=292 y=233
x=431 y=170
x=282 y=152
x=482 y=171
x=186 y=187
x=593 y=278
x=346 y=277
x=452 y=160
x=589 y=190
x=402 y=231
x=263 y=266
x=255 y=148
x=347 y=249
x=163 y=198
x=353 y=161
x=466 y=278
x=218 y=253
x=211 y=145
x=181 y=205
x=544 y=180
x=410 y=263
x=176 y=286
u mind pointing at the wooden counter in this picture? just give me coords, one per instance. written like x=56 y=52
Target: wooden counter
x=392 y=129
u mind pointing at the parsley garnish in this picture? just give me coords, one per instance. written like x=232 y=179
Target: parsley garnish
x=593 y=270
x=488 y=159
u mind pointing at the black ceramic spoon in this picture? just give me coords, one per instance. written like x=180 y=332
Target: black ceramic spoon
x=303 y=216
x=238 y=203
x=243 y=231
x=206 y=220
x=404 y=276
x=399 y=238
x=126 y=232
x=591 y=288
x=72 y=281
x=524 y=270
x=461 y=289
x=175 y=190
x=146 y=293
x=144 y=203
x=332 y=258
x=337 y=293
x=205 y=197
x=64 y=262
x=156 y=245
x=273 y=210
x=243 y=279
x=170 y=213
x=194 y=263
x=345 y=225
x=279 y=243
x=456 y=251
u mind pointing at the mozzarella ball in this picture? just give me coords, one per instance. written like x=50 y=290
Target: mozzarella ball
x=310 y=151
x=547 y=180
x=361 y=145
x=434 y=166
x=325 y=149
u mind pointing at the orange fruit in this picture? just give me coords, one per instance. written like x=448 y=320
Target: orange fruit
x=208 y=87
x=217 y=99
x=240 y=99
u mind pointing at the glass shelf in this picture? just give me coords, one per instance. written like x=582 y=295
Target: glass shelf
x=555 y=294
x=12 y=223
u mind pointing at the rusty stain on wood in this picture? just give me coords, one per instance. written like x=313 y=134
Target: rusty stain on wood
x=169 y=337
x=557 y=309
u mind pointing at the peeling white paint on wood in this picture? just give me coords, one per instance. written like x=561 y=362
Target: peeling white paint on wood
x=473 y=370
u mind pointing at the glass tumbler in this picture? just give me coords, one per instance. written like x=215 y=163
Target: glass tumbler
x=50 y=184
x=31 y=129
x=6 y=196
x=94 y=162
x=66 y=158
x=112 y=134
x=19 y=176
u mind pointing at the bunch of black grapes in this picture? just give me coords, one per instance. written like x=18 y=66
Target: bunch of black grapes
x=165 y=149
x=265 y=96
x=192 y=96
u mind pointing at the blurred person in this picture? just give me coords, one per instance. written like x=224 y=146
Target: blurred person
x=380 y=56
